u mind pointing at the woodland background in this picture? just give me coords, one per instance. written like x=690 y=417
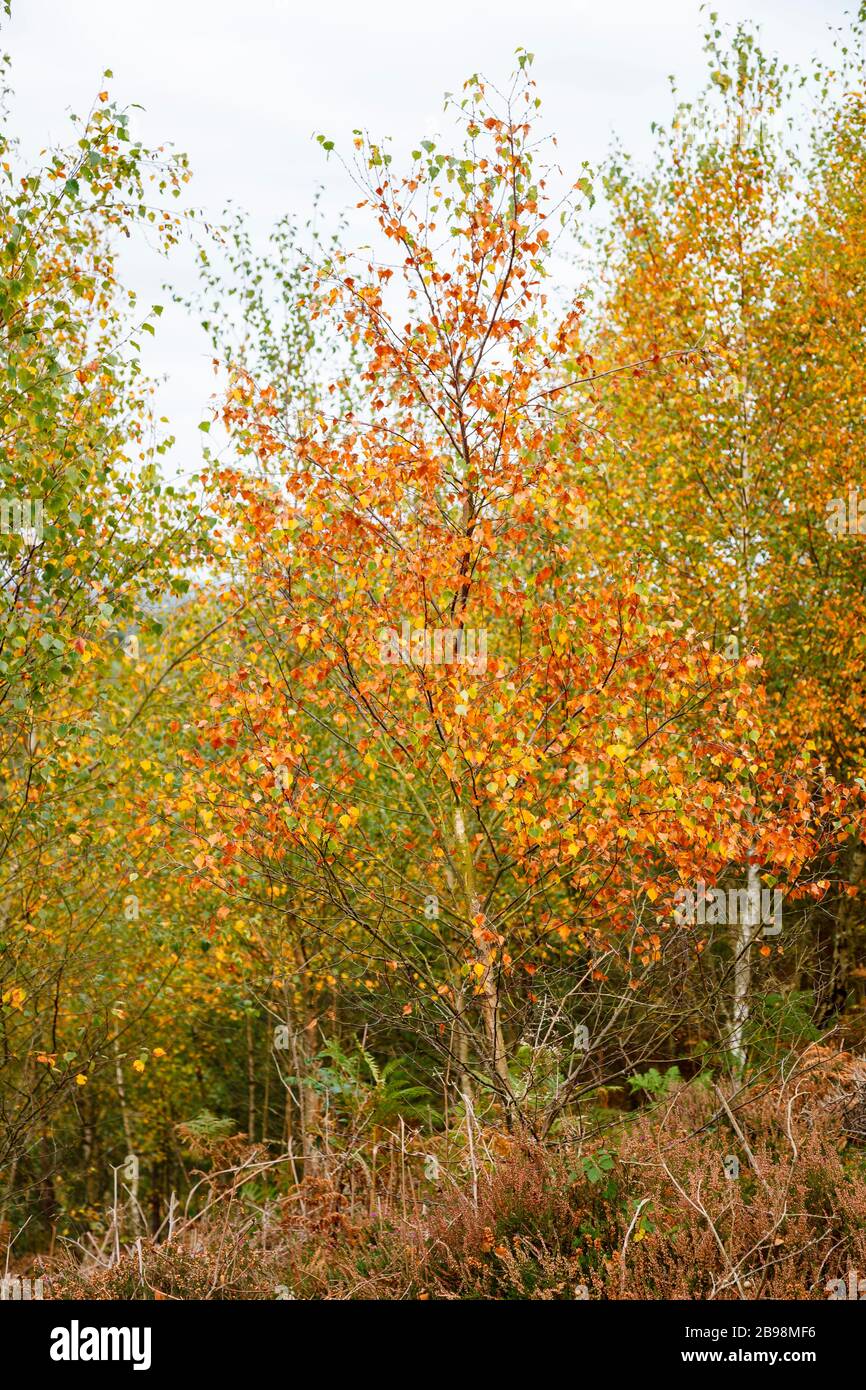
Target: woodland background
x=328 y=976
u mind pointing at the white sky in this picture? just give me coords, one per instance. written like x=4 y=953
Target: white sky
x=241 y=85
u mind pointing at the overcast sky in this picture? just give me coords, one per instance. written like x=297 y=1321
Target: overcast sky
x=241 y=85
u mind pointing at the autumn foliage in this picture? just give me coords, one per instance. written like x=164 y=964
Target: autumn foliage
x=352 y=793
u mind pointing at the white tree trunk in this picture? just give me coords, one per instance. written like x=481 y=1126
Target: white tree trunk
x=750 y=925
x=747 y=931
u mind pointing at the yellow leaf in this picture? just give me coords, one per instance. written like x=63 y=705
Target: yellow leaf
x=620 y=751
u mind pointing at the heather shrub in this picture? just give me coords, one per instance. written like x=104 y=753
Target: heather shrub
x=758 y=1193
x=752 y=1199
